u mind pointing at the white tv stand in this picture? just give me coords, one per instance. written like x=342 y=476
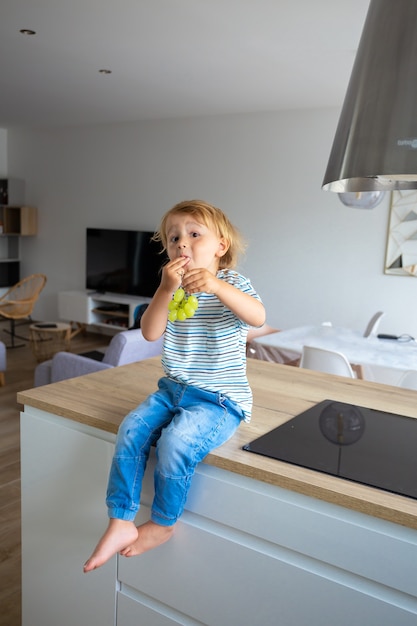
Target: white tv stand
x=107 y=310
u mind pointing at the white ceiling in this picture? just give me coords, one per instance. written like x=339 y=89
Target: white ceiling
x=172 y=58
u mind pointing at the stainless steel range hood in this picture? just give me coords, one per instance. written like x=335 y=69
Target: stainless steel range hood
x=375 y=146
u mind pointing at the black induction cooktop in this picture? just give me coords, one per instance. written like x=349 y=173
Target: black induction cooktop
x=367 y=446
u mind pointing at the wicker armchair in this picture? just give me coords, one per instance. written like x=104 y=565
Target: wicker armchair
x=18 y=302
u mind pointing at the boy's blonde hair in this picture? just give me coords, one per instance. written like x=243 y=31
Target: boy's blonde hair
x=213 y=218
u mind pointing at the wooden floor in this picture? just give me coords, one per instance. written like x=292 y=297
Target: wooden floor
x=19 y=376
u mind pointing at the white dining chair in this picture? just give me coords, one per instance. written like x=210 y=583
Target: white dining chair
x=408 y=380
x=326 y=361
x=373 y=324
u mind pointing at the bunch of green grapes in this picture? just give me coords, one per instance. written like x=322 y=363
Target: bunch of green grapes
x=181 y=306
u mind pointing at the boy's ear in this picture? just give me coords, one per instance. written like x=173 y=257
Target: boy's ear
x=224 y=245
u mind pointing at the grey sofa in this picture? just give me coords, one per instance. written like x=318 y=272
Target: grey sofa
x=2 y=363
x=126 y=347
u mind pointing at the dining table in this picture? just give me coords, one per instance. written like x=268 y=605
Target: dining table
x=382 y=359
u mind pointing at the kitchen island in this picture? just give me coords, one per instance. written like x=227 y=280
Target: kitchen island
x=261 y=541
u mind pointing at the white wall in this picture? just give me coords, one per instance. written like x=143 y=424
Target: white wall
x=311 y=258
x=3 y=153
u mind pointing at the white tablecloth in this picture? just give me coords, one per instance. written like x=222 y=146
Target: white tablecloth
x=358 y=349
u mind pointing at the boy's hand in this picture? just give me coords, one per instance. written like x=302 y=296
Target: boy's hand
x=200 y=280
x=172 y=274
x=243 y=305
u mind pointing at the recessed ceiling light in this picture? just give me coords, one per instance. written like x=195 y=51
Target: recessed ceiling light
x=27 y=31
x=104 y=71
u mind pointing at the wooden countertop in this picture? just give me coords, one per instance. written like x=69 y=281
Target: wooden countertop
x=280 y=392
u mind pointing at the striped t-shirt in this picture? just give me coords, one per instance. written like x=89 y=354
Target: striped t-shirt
x=208 y=350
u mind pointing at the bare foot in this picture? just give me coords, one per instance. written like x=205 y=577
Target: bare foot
x=119 y=535
x=149 y=535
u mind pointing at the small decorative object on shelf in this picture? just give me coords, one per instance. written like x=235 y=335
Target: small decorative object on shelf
x=12 y=191
x=117 y=321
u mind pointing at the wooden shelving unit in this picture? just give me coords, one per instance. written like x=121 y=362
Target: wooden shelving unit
x=18 y=220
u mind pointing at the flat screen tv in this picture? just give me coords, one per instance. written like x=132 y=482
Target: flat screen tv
x=123 y=262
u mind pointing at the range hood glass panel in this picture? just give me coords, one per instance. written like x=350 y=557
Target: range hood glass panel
x=375 y=146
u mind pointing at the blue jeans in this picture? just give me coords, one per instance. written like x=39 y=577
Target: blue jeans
x=186 y=423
